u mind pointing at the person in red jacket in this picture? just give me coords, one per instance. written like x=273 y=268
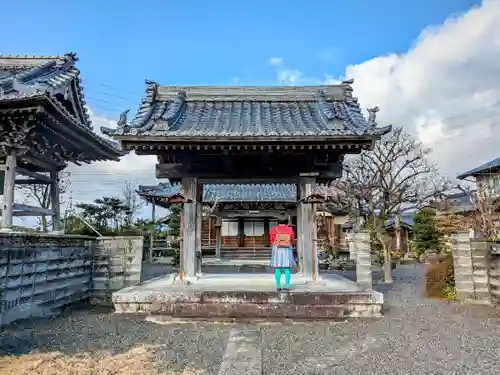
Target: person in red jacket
x=282 y=239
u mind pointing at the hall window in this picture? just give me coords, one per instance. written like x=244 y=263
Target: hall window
x=229 y=228
x=254 y=228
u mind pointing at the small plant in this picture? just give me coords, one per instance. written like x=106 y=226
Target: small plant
x=440 y=279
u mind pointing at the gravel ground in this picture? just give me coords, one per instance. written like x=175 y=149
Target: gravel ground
x=416 y=336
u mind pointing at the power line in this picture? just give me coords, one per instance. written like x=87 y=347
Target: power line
x=113 y=92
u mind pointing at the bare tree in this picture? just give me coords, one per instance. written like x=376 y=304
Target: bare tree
x=486 y=208
x=40 y=195
x=131 y=201
x=396 y=176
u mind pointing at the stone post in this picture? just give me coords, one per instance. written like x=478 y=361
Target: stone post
x=8 y=191
x=306 y=227
x=480 y=267
x=352 y=246
x=462 y=265
x=363 y=259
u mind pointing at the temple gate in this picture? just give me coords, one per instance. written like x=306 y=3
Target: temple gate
x=249 y=135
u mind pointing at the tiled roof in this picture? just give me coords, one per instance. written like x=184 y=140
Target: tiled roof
x=485 y=168
x=198 y=111
x=460 y=202
x=30 y=77
x=406 y=220
x=235 y=192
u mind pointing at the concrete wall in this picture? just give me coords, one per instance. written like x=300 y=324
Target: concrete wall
x=41 y=272
x=117 y=264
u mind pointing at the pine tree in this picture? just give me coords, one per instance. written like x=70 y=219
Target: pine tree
x=425 y=231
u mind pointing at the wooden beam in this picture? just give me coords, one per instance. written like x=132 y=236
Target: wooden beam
x=55 y=202
x=224 y=177
x=241 y=232
x=266 y=230
x=199 y=226
x=189 y=188
x=280 y=214
x=35 y=175
x=32 y=210
x=211 y=170
x=43 y=165
x=31 y=182
x=305 y=226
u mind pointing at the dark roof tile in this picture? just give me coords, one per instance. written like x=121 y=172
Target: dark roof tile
x=26 y=77
x=482 y=169
x=236 y=192
x=250 y=112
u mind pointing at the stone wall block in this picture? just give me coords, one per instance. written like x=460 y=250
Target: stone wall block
x=117 y=265
x=363 y=259
x=42 y=272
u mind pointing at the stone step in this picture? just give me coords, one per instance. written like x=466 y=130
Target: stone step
x=251 y=310
x=255 y=304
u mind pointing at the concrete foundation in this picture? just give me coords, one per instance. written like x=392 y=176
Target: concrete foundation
x=249 y=296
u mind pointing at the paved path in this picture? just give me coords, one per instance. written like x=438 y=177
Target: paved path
x=416 y=336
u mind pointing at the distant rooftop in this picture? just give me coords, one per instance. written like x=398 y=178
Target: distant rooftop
x=286 y=193
x=489 y=167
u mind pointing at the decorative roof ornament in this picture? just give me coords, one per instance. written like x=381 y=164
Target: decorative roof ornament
x=122 y=121
x=372 y=115
x=153 y=86
x=171 y=112
x=326 y=107
x=71 y=56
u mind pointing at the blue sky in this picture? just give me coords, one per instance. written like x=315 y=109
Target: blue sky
x=120 y=43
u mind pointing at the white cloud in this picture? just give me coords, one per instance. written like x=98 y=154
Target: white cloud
x=285 y=76
x=445 y=90
x=289 y=77
x=276 y=61
x=92 y=181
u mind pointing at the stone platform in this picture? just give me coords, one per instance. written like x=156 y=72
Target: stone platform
x=249 y=296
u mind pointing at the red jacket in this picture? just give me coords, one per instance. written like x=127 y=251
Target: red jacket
x=282 y=228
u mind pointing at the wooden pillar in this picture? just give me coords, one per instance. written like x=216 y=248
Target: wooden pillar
x=218 y=236
x=55 y=201
x=241 y=232
x=306 y=227
x=199 y=226
x=153 y=210
x=8 y=190
x=266 y=231
x=188 y=266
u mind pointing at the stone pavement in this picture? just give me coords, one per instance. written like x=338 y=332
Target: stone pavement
x=416 y=336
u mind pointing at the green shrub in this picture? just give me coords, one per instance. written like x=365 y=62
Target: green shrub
x=440 y=279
